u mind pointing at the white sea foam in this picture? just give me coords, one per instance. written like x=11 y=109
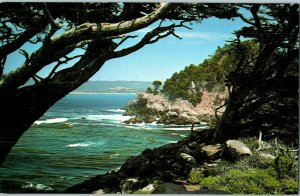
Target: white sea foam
x=177 y=128
x=38 y=187
x=117 y=110
x=77 y=145
x=113 y=117
x=114 y=155
x=135 y=127
x=181 y=135
x=85 y=144
x=50 y=121
x=80 y=144
x=172 y=142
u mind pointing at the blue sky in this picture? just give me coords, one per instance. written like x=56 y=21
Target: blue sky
x=160 y=60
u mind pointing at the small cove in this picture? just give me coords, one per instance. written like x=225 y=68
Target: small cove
x=81 y=136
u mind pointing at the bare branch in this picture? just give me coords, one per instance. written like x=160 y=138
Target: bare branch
x=36 y=39
x=23 y=52
x=147 y=39
x=152 y=37
x=158 y=37
x=10 y=47
x=177 y=36
x=53 y=71
x=125 y=38
x=52 y=22
x=161 y=22
x=245 y=19
x=183 y=25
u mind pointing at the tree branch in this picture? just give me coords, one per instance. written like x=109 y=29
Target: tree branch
x=125 y=38
x=53 y=71
x=23 y=52
x=92 y=30
x=254 y=10
x=17 y=43
x=48 y=14
x=147 y=39
x=63 y=44
x=245 y=19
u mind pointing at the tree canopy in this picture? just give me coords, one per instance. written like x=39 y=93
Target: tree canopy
x=263 y=88
x=260 y=70
x=208 y=75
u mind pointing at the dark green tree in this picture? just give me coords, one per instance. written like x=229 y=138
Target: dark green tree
x=156 y=84
x=264 y=87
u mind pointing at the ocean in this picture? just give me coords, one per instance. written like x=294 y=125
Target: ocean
x=81 y=136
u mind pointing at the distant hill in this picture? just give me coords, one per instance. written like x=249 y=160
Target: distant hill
x=113 y=87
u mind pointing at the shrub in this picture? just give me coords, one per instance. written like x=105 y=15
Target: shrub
x=149 y=90
x=211 y=182
x=251 y=181
x=195 y=176
x=289 y=186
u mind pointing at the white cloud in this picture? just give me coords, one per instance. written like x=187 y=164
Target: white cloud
x=198 y=34
x=203 y=35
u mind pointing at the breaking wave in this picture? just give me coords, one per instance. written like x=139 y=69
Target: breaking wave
x=116 y=110
x=50 y=121
x=112 y=117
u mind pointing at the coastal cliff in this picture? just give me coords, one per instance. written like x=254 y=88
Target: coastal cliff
x=149 y=107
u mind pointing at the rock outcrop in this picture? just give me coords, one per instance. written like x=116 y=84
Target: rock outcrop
x=149 y=107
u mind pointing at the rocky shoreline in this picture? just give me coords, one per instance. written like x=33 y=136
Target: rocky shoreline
x=155 y=170
x=150 y=108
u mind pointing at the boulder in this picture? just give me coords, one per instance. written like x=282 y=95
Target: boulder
x=99 y=192
x=128 y=185
x=266 y=156
x=150 y=119
x=133 y=120
x=192 y=187
x=235 y=149
x=136 y=166
x=213 y=151
x=147 y=189
x=187 y=158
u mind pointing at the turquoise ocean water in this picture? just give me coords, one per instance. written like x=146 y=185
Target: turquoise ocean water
x=81 y=136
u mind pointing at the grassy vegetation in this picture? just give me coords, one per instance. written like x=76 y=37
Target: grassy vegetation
x=252 y=175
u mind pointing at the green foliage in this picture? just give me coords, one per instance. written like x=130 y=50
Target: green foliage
x=211 y=182
x=250 y=181
x=286 y=162
x=138 y=106
x=209 y=75
x=283 y=165
x=195 y=176
x=257 y=181
x=156 y=84
x=289 y=186
x=212 y=123
x=252 y=174
x=149 y=90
